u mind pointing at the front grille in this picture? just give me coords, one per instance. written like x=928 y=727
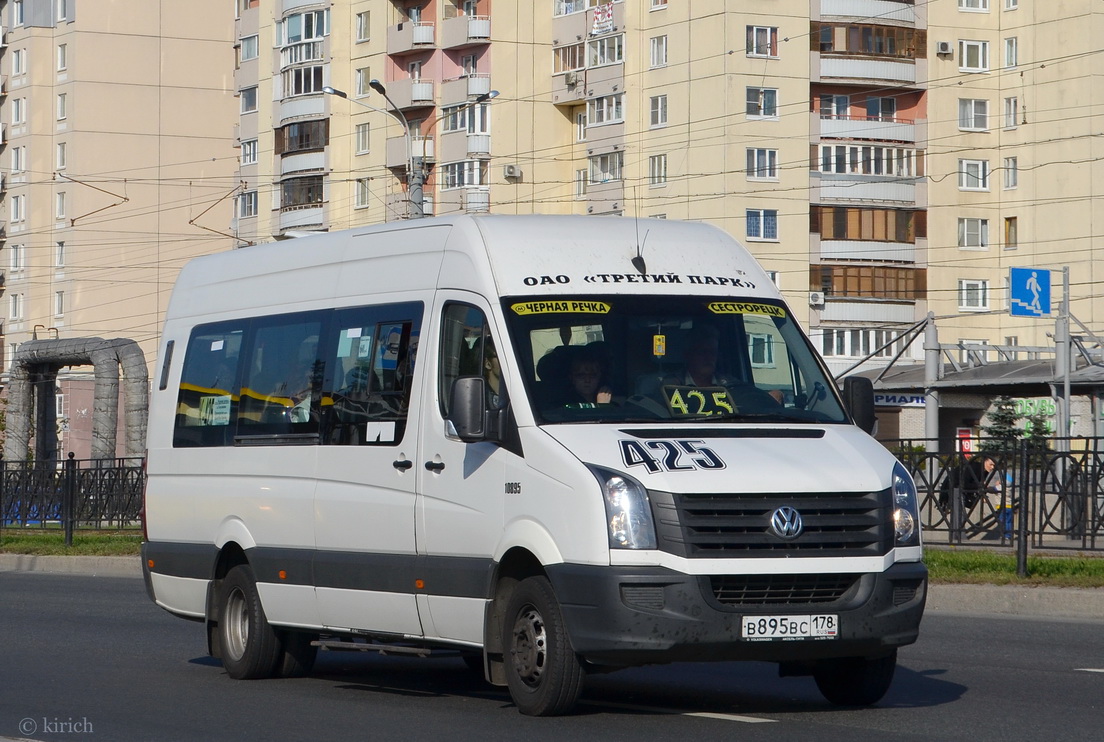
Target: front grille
x=739 y=525
x=779 y=589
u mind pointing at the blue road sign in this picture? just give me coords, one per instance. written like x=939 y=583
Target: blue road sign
x=1030 y=292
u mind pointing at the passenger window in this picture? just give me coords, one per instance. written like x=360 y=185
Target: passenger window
x=208 y=398
x=281 y=392
x=467 y=349
x=374 y=351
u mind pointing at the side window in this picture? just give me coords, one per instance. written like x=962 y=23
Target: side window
x=281 y=389
x=467 y=349
x=208 y=397
x=372 y=354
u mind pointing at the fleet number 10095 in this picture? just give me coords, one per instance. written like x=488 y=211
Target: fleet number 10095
x=766 y=628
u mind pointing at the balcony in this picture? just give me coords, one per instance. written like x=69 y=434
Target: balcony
x=851 y=310
x=849 y=187
x=851 y=68
x=395 y=154
x=465 y=30
x=410 y=37
x=867 y=127
x=410 y=93
x=477 y=200
x=302 y=217
x=883 y=10
x=398 y=206
x=302 y=162
x=899 y=252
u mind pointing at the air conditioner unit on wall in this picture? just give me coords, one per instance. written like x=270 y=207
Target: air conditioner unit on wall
x=571 y=78
x=944 y=47
x=816 y=298
x=511 y=171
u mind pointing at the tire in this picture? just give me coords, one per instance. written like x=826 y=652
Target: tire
x=543 y=673
x=250 y=647
x=298 y=656
x=855 y=681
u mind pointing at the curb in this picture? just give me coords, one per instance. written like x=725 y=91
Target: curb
x=98 y=566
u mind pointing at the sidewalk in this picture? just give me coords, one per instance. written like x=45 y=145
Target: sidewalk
x=1042 y=602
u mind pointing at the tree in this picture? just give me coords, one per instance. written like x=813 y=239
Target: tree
x=1003 y=431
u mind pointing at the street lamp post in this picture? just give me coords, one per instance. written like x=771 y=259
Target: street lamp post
x=416 y=171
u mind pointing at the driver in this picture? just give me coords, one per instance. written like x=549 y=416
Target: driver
x=700 y=371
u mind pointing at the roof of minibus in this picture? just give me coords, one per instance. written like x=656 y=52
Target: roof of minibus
x=506 y=255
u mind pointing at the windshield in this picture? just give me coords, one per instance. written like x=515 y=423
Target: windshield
x=641 y=358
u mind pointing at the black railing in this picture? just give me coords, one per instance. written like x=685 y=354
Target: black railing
x=94 y=493
x=1038 y=496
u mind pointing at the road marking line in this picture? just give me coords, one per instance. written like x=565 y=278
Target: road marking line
x=730 y=717
x=678 y=712
x=1088 y=669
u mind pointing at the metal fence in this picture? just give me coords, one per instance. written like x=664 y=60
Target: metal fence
x=95 y=493
x=1043 y=498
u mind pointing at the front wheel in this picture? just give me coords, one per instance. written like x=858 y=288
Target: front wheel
x=855 y=681
x=250 y=647
x=543 y=673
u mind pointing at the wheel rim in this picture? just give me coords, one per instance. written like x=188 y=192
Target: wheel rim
x=236 y=631
x=530 y=650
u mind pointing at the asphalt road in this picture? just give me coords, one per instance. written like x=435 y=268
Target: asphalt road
x=85 y=655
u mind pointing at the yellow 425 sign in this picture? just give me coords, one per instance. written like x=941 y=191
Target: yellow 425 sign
x=698 y=400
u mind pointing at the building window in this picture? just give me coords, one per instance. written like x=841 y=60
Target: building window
x=59 y=205
x=247 y=204
x=19 y=61
x=580 y=184
x=248 y=99
x=59 y=303
x=1011 y=233
x=762 y=224
x=969 y=348
x=762 y=164
x=870 y=160
x=659 y=51
x=249 y=152
x=363 y=80
x=17 y=12
x=973 y=295
x=465 y=174
x=606 y=168
x=62 y=9
x=19 y=159
x=580 y=125
x=62 y=57
x=472 y=119
x=608 y=109
x=762 y=103
x=1011 y=173
x=19 y=111
x=363 y=139
x=762 y=41
x=657 y=170
x=16 y=258
x=857 y=223
x=303 y=27
x=973 y=175
x=973 y=233
x=363 y=26
x=1011 y=4
x=659 y=4
x=973 y=56
x=657 y=113
x=881 y=108
x=302 y=136
x=15 y=307
x=1011 y=52
x=362 y=193
x=249 y=48
x=565 y=7
x=568 y=58
x=973 y=114
x=61 y=155
x=973 y=5
x=302 y=81
x=607 y=50
x=18 y=208
x=1011 y=112
x=302 y=192
x=59 y=254
x=834 y=106
x=62 y=106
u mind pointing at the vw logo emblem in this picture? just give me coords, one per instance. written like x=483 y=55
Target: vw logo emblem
x=786 y=522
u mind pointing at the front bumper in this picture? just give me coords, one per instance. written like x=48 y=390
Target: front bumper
x=627 y=616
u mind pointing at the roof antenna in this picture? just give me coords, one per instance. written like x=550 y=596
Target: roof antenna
x=638 y=259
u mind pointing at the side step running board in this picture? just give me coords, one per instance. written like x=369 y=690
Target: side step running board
x=336 y=646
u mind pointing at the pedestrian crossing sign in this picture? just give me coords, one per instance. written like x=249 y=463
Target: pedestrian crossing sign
x=1029 y=292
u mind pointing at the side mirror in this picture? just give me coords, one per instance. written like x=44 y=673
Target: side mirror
x=858 y=395
x=468 y=408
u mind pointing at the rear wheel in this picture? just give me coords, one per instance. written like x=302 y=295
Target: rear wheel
x=543 y=673
x=250 y=647
x=855 y=681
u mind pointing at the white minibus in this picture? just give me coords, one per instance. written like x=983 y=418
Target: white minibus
x=553 y=445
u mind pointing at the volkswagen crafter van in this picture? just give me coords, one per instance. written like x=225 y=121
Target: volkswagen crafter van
x=557 y=445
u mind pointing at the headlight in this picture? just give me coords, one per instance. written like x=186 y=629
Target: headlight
x=906 y=508
x=628 y=513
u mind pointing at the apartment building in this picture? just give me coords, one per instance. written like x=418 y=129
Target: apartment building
x=117 y=164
